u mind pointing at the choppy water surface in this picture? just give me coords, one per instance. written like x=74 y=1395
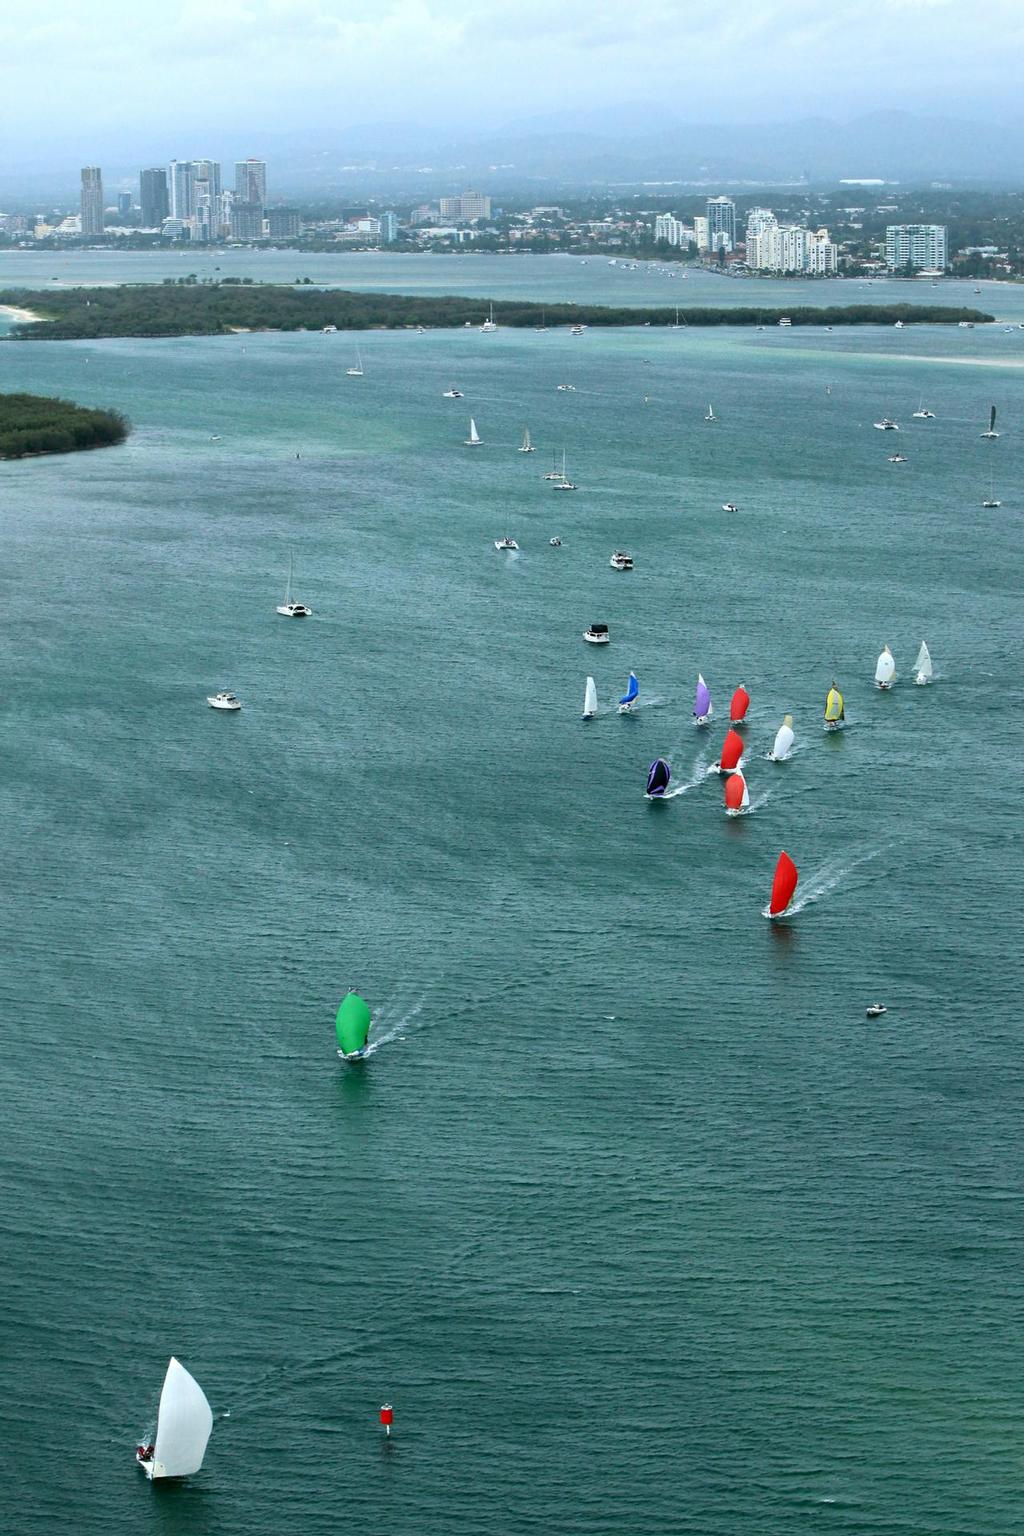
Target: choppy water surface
x=639 y=1222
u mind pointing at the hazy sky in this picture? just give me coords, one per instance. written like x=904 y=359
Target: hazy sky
x=219 y=72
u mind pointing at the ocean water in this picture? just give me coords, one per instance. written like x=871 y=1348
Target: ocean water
x=638 y=1221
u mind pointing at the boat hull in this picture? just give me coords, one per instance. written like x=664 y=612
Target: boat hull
x=597 y=639
x=351 y=1056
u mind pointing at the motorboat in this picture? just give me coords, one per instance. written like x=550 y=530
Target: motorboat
x=729 y=506
x=289 y=609
x=898 y=326
x=875 y=1010
x=566 y=389
x=897 y=458
x=597 y=634
x=555 y=543
x=576 y=330
x=620 y=561
x=505 y=543
x=887 y=425
x=223 y=700
x=452 y=394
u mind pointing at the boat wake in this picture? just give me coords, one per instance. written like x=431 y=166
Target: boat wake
x=392 y=1031
x=756 y=804
x=824 y=881
x=697 y=777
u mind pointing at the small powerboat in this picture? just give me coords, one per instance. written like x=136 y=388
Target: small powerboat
x=897 y=458
x=729 y=506
x=620 y=561
x=597 y=634
x=505 y=543
x=452 y=394
x=555 y=543
x=876 y=1010
x=566 y=389
x=223 y=700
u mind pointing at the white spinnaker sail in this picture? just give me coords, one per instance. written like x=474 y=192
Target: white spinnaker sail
x=923 y=664
x=885 y=671
x=784 y=738
x=590 y=698
x=183 y=1424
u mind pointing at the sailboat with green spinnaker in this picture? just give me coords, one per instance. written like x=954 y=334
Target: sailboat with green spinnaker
x=352 y=1026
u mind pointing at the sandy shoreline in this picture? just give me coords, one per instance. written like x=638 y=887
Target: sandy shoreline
x=22 y=316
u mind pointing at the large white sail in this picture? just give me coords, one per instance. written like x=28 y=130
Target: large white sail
x=923 y=665
x=589 y=699
x=784 y=739
x=885 y=671
x=474 y=436
x=183 y=1424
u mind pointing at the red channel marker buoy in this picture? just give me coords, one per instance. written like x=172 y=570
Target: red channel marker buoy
x=387 y=1417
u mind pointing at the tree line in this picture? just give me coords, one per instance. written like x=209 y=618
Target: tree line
x=31 y=424
x=173 y=309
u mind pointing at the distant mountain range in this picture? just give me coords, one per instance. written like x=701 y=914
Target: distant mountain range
x=621 y=145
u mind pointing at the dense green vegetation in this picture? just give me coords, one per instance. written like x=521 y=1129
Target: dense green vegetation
x=42 y=424
x=187 y=309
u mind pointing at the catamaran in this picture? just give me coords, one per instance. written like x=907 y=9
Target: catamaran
x=506 y=543
x=590 y=699
x=711 y=414
x=290 y=609
x=357 y=371
x=887 y=425
x=489 y=324
x=991 y=424
x=702 y=707
x=183 y=1424
x=992 y=500
x=784 y=738
x=352 y=1026
x=630 y=696
x=923 y=415
x=835 y=709
x=474 y=439
x=562 y=482
x=526 y=446
x=923 y=666
x=885 y=670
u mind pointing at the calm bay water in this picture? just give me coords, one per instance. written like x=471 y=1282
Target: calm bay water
x=637 y=1220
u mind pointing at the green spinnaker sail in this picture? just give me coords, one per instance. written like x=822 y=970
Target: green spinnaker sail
x=352 y=1024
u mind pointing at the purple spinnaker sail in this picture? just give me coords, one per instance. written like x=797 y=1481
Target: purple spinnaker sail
x=702 y=701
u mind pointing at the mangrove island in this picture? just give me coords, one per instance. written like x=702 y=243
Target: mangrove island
x=33 y=424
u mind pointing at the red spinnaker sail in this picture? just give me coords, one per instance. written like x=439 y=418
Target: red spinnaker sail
x=734 y=787
x=783 y=885
x=732 y=751
x=740 y=704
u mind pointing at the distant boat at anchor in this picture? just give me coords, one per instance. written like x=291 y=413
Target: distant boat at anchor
x=526 y=446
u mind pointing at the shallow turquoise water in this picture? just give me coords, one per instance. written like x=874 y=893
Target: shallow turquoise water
x=637 y=1220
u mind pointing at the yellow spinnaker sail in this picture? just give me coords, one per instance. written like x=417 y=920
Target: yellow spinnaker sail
x=834 y=709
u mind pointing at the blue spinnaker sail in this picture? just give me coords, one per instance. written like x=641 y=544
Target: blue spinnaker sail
x=658 y=778
x=631 y=691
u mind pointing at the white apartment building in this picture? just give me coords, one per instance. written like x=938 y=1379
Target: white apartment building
x=775 y=247
x=923 y=245
x=667 y=227
x=823 y=257
x=701 y=234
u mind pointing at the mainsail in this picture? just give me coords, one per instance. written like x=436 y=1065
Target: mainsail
x=183 y=1425
x=589 y=699
x=923 y=664
x=352 y=1024
x=783 y=885
x=658 y=778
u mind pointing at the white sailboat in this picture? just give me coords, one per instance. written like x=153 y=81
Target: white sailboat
x=183 y=1425
x=474 y=439
x=885 y=670
x=922 y=415
x=357 y=371
x=784 y=738
x=290 y=609
x=563 y=483
x=711 y=414
x=590 y=700
x=489 y=324
x=923 y=666
x=526 y=446
x=992 y=500
x=991 y=424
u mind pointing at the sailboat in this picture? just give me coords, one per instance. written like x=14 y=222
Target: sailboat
x=489 y=324
x=737 y=796
x=676 y=326
x=563 y=483
x=711 y=414
x=992 y=500
x=183 y=1424
x=590 y=699
x=290 y=609
x=702 y=707
x=526 y=446
x=783 y=885
x=658 y=777
x=352 y=1026
x=554 y=473
x=922 y=415
x=357 y=371
x=474 y=439
x=739 y=705
x=630 y=695
x=784 y=738
x=991 y=424
x=835 y=709
x=885 y=670
x=732 y=752
x=923 y=666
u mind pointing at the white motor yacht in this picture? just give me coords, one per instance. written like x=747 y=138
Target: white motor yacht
x=452 y=394
x=566 y=389
x=555 y=543
x=620 y=561
x=223 y=700
x=729 y=506
x=897 y=458
x=876 y=1010
x=597 y=634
